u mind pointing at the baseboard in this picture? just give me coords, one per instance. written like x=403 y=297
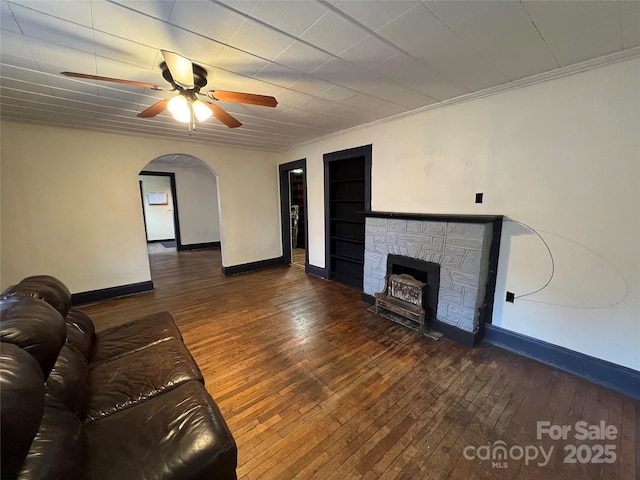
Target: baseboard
x=200 y=246
x=252 y=266
x=92 y=296
x=469 y=339
x=316 y=271
x=616 y=377
x=160 y=241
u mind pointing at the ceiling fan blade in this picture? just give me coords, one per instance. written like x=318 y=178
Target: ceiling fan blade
x=181 y=69
x=109 y=79
x=240 y=97
x=154 y=109
x=223 y=116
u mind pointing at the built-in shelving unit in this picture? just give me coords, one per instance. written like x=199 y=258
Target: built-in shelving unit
x=347 y=190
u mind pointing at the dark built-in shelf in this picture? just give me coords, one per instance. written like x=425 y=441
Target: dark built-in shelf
x=347 y=239
x=346 y=180
x=349 y=259
x=346 y=220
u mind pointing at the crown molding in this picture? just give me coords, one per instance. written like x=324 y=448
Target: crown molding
x=505 y=87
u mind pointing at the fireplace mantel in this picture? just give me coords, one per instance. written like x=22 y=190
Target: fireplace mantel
x=436 y=217
x=465 y=246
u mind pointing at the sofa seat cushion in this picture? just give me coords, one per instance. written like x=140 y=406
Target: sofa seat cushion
x=128 y=380
x=135 y=335
x=56 y=451
x=180 y=434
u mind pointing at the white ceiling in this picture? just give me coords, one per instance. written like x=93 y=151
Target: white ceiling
x=332 y=65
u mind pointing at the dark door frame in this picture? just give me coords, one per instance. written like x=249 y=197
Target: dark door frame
x=174 y=198
x=285 y=213
x=365 y=152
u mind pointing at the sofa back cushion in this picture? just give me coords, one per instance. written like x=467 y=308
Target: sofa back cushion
x=35 y=326
x=68 y=382
x=80 y=332
x=47 y=288
x=21 y=406
x=56 y=451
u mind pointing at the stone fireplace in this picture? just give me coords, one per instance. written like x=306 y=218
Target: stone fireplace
x=464 y=249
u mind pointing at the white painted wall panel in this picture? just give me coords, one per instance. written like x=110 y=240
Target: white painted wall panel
x=71 y=204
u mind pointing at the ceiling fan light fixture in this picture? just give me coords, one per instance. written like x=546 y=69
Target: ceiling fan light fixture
x=201 y=111
x=179 y=108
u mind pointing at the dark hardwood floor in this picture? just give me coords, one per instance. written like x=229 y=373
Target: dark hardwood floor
x=315 y=387
x=298 y=257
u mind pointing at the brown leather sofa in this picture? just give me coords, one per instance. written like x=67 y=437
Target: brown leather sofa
x=124 y=403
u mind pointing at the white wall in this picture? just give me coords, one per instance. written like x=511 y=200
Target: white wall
x=158 y=218
x=562 y=157
x=71 y=204
x=197 y=195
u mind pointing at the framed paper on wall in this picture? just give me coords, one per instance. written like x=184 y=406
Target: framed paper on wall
x=159 y=198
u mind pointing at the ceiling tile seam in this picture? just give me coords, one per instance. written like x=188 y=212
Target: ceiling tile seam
x=464 y=40
x=155 y=47
x=305 y=74
x=92 y=52
x=555 y=59
x=619 y=5
x=40 y=12
x=389 y=43
x=13 y=15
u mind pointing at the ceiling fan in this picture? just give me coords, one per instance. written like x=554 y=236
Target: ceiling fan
x=187 y=79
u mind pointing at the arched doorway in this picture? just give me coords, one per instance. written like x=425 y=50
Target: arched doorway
x=179 y=195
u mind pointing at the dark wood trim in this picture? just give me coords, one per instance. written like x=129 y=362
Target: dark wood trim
x=201 y=246
x=317 y=271
x=486 y=312
x=92 y=296
x=470 y=339
x=144 y=214
x=252 y=266
x=616 y=377
x=162 y=240
x=285 y=200
x=436 y=217
x=174 y=198
x=365 y=152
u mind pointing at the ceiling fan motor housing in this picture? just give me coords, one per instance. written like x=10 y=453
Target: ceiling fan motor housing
x=199 y=76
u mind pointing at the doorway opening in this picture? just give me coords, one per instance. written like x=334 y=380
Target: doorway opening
x=160 y=211
x=293 y=209
x=180 y=204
